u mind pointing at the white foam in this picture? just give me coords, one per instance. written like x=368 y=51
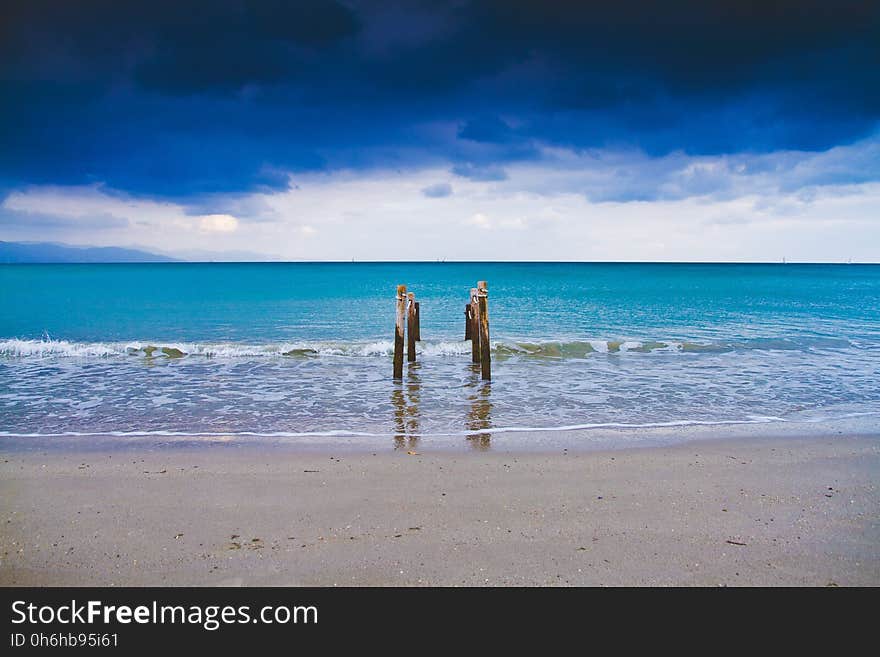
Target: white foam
x=448 y=348
x=44 y=348
x=17 y=348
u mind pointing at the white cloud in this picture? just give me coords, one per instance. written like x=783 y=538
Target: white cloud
x=97 y=216
x=218 y=223
x=480 y=220
x=73 y=202
x=567 y=206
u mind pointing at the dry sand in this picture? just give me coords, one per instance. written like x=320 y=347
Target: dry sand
x=750 y=511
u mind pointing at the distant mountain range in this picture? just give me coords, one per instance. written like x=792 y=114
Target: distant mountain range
x=47 y=252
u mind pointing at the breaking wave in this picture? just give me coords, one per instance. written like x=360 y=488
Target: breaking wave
x=550 y=349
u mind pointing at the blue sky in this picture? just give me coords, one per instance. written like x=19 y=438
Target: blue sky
x=724 y=130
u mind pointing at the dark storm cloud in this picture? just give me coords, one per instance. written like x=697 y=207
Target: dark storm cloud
x=182 y=98
x=489 y=129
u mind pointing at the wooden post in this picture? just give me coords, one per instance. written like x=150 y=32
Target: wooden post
x=398 y=331
x=475 y=327
x=418 y=332
x=485 y=351
x=411 y=329
x=467 y=321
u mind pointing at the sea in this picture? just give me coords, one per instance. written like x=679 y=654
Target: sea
x=609 y=354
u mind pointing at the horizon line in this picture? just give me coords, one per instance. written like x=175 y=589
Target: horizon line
x=452 y=261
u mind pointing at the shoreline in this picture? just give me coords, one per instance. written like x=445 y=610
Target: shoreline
x=536 y=440
x=744 y=511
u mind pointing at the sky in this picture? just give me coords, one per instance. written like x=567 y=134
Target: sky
x=730 y=130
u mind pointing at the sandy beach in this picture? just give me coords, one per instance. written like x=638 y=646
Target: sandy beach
x=781 y=511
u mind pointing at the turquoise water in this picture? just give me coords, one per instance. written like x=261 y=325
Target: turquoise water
x=305 y=348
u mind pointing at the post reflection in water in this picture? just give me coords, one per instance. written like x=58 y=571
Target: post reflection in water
x=479 y=415
x=405 y=399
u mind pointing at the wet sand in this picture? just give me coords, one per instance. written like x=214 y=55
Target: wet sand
x=761 y=511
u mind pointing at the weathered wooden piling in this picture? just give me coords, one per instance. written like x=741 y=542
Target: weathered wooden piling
x=411 y=329
x=398 y=331
x=467 y=321
x=475 y=327
x=485 y=350
x=418 y=331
